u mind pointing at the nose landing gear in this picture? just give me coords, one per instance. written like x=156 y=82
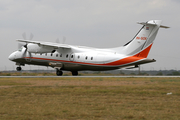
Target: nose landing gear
x=18 y=68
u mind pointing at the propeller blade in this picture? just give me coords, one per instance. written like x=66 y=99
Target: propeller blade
x=25 y=45
x=24 y=53
x=31 y=36
x=64 y=39
x=20 y=45
x=57 y=40
x=24 y=36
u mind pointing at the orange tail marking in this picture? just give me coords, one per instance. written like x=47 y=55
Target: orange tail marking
x=144 y=53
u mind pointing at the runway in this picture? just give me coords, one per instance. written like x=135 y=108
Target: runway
x=88 y=76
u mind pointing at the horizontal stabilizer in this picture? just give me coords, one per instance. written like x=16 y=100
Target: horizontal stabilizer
x=146 y=61
x=146 y=23
x=152 y=23
x=164 y=26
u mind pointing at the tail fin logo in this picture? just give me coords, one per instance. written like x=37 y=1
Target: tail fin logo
x=147 y=28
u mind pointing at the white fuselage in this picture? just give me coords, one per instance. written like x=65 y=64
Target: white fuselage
x=74 y=59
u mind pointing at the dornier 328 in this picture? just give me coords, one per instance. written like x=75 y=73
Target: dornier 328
x=72 y=58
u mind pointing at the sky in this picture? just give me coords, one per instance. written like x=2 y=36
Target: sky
x=94 y=23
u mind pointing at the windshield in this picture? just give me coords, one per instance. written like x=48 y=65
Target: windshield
x=20 y=49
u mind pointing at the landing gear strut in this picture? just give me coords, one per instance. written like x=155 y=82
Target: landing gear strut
x=18 y=68
x=74 y=73
x=59 y=72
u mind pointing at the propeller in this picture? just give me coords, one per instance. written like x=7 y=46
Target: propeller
x=20 y=45
x=31 y=36
x=24 y=37
x=57 y=40
x=24 y=52
x=25 y=45
x=64 y=39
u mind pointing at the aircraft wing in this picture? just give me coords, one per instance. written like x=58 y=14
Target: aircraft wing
x=49 y=44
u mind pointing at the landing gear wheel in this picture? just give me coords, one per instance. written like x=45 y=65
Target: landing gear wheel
x=18 y=68
x=59 y=72
x=74 y=73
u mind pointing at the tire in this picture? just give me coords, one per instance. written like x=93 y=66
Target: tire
x=74 y=73
x=59 y=72
x=18 y=68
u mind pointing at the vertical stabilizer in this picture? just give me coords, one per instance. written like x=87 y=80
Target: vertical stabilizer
x=142 y=42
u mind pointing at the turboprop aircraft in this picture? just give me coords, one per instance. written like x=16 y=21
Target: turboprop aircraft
x=72 y=58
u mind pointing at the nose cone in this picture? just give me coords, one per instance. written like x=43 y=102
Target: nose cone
x=11 y=57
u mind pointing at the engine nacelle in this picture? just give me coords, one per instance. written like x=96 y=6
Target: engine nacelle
x=35 y=48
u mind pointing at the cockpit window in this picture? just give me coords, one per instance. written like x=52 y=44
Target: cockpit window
x=20 y=49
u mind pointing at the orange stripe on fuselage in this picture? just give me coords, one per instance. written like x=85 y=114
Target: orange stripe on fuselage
x=124 y=61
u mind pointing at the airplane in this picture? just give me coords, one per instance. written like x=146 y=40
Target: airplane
x=64 y=57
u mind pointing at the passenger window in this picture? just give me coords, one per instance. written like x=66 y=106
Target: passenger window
x=86 y=57
x=71 y=56
x=67 y=56
x=51 y=54
x=56 y=55
x=91 y=58
x=78 y=56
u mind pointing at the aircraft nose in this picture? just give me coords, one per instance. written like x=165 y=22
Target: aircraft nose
x=11 y=56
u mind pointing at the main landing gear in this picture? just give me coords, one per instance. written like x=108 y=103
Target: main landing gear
x=60 y=73
x=74 y=73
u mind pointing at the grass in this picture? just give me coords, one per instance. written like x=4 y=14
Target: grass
x=90 y=98
x=25 y=73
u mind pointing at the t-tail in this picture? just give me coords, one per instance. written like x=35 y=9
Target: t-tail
x=141 y=44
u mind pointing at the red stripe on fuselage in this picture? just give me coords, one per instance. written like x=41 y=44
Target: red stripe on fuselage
x=115 y=63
